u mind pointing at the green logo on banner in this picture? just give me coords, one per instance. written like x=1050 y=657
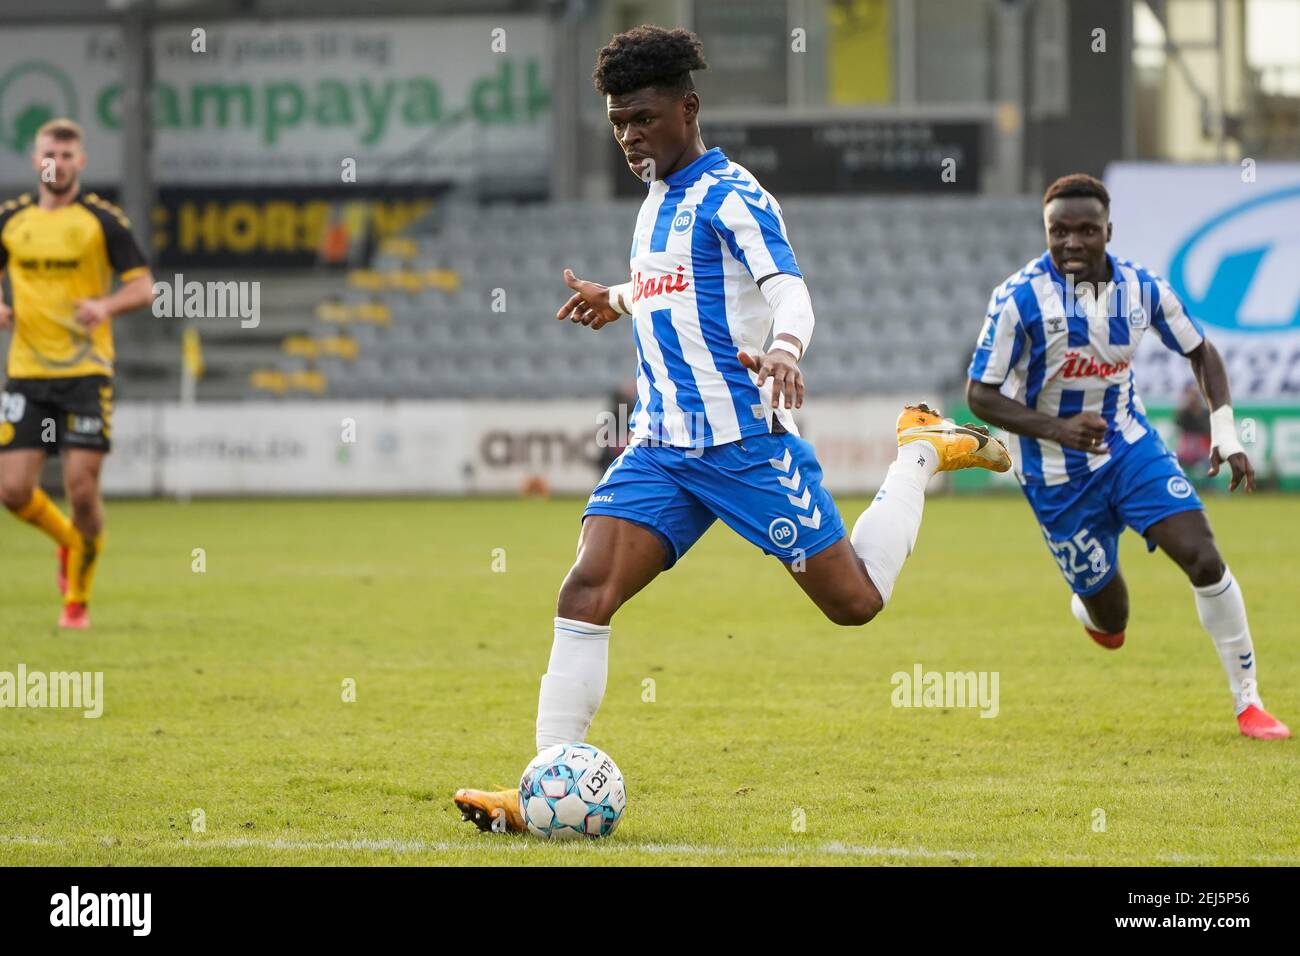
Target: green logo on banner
x=371 y=107
x=30 y=94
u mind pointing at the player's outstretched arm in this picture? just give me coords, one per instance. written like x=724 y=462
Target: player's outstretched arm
x=590 y=303
x=1212 y=375
x=1085 y=431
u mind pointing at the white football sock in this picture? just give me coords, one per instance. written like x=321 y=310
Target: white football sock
x=886 y=532
x=1223 y=614
x=574 y=682
x=1081 y=614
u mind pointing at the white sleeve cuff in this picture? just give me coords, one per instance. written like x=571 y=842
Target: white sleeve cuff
x=792 y=311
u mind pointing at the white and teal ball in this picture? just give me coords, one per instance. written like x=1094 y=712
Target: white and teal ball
x=570 y=791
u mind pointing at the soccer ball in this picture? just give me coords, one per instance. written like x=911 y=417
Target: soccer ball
x=572 y=790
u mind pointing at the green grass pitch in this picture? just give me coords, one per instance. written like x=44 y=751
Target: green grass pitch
x=223 y=693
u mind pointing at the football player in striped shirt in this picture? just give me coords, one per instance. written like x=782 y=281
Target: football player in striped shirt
x=712 y=276
x=1053 y=366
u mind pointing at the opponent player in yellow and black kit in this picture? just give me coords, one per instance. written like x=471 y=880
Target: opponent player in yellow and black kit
x=60 y=252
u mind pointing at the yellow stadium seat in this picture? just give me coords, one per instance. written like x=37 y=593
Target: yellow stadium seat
x=399 y=246
x=406 y=281
x=367 y=279
x=268 y=380
x=376 y=312
x=340 y=346
x=334 y=312
x=300 y=345
x=308 y=380
x=448 y=280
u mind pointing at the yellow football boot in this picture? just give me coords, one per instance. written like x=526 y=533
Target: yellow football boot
x=959 y=446
x=496 y=810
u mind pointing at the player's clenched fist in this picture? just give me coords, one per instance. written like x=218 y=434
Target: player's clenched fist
x=91 y=313
x=1084 y=432
x=589 y=303
x=6 y=318
x=780 y=366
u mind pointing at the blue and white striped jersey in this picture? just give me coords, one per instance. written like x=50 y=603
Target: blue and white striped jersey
x=1063 y=350
x=704 y=237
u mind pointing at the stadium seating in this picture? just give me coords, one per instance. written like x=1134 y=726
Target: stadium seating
x=464 y=305
x=900 y=287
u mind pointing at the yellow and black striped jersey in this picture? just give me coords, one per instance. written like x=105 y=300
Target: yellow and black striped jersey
x=54 y=259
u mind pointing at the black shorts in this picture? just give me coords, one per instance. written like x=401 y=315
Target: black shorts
x=54 y=413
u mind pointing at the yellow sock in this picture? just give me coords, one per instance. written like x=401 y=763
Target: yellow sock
x=83 y=557
x=41 y=512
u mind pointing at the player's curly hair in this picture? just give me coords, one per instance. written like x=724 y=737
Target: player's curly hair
x=648 y=56
x=1078 y=185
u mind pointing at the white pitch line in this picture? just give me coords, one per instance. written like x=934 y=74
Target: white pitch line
x=512 y=846
x=517 y=846
x=834 y=848
x=851 y=850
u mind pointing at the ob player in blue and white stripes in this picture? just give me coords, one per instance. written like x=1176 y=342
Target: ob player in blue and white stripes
x=712 y=276
x=1053 y=366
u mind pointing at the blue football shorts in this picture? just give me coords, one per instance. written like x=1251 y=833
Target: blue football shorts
x=1082 y=520
x=766 y=488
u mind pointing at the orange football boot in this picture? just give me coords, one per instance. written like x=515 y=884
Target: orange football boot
x=495 y=810
x=959 y=446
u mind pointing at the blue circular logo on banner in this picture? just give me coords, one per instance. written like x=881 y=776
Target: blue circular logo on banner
x=1235 y=253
